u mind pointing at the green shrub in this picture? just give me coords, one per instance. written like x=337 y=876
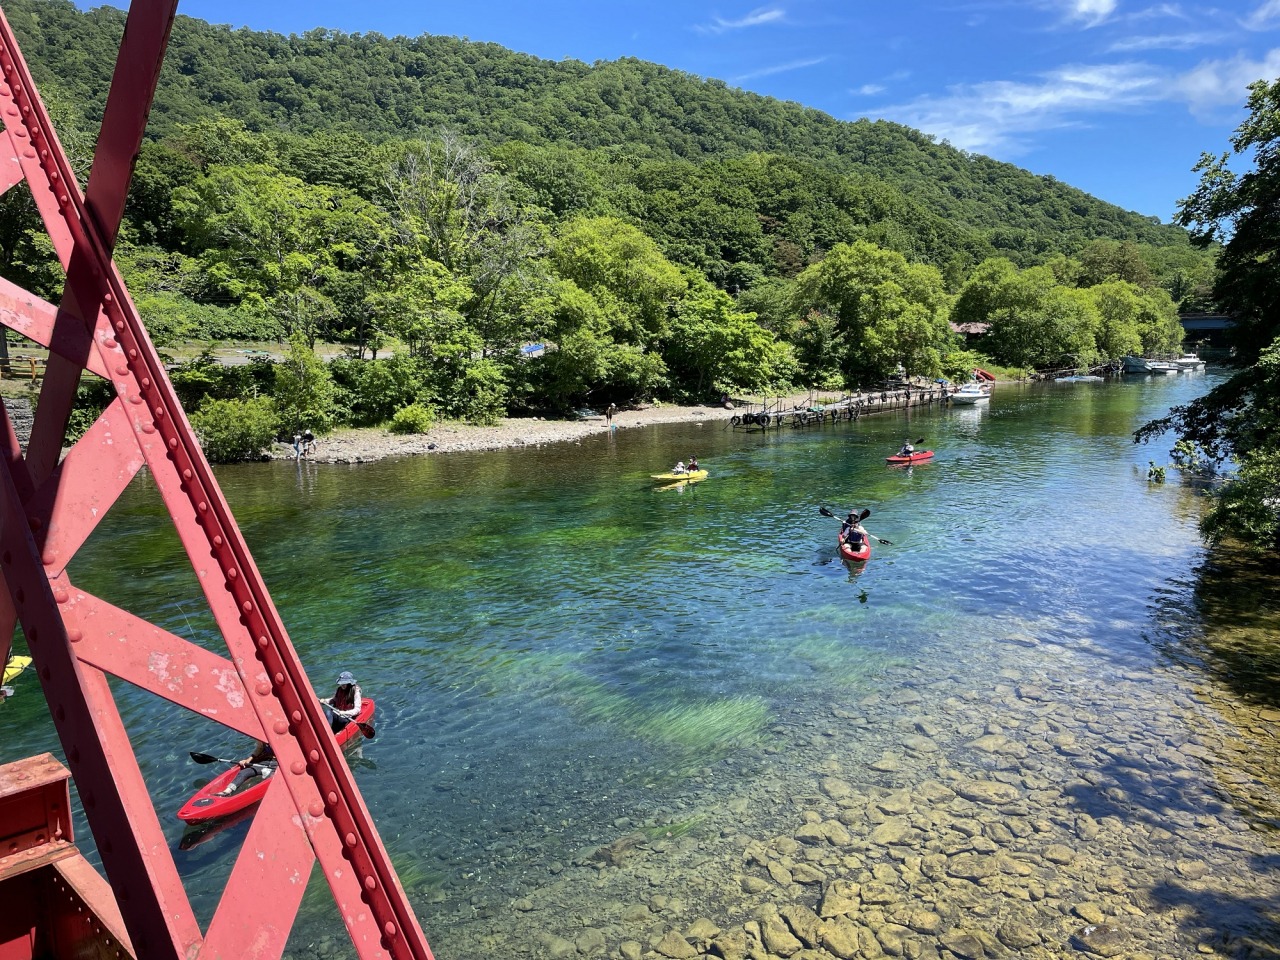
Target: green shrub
x=373 y=390
x=415 y=418
x=234 y=430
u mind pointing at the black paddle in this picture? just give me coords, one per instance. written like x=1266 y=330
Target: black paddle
x=206 y=758
x=365 y=728
x=862 y=516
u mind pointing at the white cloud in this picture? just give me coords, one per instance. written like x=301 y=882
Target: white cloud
x=779 y=68
x=1001 y=115
x=1091 y=12
x=868 y=90
x=1265 y=16
x=757 y=17
x=1215 y=84
x=1168 y=41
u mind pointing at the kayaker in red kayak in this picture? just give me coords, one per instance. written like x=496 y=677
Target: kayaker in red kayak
x=852 y=531
x=345 y=702
x=261 y=763
x=907 y=449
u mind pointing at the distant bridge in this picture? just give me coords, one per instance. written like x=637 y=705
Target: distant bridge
x=1205 y=322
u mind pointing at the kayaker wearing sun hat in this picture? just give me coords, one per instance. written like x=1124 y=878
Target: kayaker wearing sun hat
x=345 y=702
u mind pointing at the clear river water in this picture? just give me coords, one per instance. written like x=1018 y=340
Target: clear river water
x=612 y=717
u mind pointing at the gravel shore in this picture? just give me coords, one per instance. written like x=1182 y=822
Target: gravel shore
x=361 y=445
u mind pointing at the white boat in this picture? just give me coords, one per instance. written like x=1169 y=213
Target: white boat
x=970 y=393
x=1189 y=361
x=1078 y=378
x=1145 y=365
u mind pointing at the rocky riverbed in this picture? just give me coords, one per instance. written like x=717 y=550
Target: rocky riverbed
x=1051 y=814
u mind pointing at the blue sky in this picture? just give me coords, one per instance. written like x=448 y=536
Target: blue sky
x=1118 y=98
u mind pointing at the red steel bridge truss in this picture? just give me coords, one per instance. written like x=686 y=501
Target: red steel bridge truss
x=49 y=506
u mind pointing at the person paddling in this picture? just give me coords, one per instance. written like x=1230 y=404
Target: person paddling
x=907 y=449
x=345 y=702
x=693 y=464
x=261 y=763
x=852 y=532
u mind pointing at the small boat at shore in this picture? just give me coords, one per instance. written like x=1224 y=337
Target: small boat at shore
x=970 y=393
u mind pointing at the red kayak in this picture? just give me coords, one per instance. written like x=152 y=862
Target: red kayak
x=918 y=457
x=860 y=555
x=206 y=805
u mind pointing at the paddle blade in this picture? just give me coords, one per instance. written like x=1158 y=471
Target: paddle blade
x=367 y=730
x=827 y=513
x=863 y=515
x=206 y=758
x=887 y=543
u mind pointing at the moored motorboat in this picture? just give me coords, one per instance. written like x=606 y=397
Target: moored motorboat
x=970 y=393
x=207 y=805
x=918 y=456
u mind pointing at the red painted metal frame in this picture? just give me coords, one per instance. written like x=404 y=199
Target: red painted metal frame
x=49 y=507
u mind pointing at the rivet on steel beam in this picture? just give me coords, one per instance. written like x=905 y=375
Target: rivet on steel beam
x=332 y=798
x=173 y=443
x=232 y=573
x=135 y=398
x=202 y=506
x=389 y=929
x=349 y=839
x=296 y=716
x=119 y=324
x=280 y=727
x=262 y=642
x=60 y=595
x=186 y=474
x=148 y=428
x=122 y=370
x=298 y=767
x=217 y=540
x=133 y=354
x=316 y=809
x=75 y=636
x=264 y=689
x=109 y=298
x=370 y=883
x=29 y=153
x=109 y=342
x=146 y=382
x=35 y=523
x=53 y=175
x=49 y=558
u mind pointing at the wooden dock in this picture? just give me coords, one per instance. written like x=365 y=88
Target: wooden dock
x=778 y=414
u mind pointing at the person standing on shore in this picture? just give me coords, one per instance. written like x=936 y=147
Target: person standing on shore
x=609 y=412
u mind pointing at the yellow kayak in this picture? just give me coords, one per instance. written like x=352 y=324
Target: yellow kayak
x=681 y=477
x=14 y=667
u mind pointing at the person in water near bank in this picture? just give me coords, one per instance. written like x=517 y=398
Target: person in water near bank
x=261 y=763
x=345 y=702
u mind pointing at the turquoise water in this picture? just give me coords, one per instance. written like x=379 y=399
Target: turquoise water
x=556 y=646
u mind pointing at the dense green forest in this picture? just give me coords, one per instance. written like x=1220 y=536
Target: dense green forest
x=437 y=206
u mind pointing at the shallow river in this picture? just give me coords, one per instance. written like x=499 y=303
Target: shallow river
x=614 y=719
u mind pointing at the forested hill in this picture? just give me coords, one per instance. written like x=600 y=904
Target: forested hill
x=381 y=88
